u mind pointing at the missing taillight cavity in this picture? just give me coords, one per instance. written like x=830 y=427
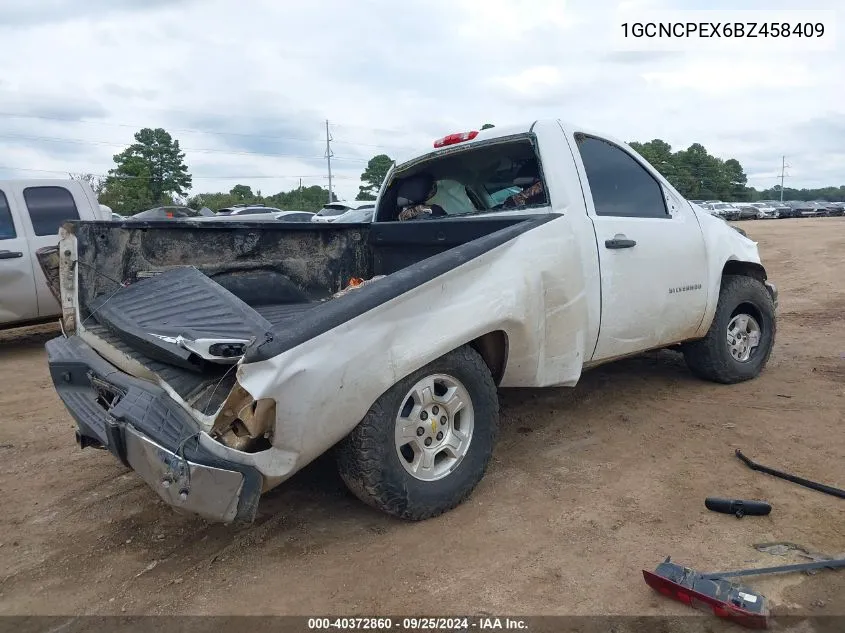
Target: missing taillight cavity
x=244 y=423
x=107 y=394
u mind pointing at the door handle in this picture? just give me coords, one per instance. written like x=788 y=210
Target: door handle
x=10 y=254
x=620 y=241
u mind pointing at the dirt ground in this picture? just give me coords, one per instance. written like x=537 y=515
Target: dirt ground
x=588 y=487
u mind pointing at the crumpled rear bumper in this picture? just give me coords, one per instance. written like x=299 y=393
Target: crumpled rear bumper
x=146 y=430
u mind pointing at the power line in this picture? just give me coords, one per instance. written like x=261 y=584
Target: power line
x=18 y=115
x=329 y=158
x=80 y=141
x=57 y=171
x=372 y=129
x=783 y=175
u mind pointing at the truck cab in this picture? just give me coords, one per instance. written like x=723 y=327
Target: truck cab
x=31 y=212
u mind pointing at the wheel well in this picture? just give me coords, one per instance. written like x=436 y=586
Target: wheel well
x=493 y=348
x=747 y=269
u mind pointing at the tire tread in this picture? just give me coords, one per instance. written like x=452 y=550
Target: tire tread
x=707 y=358
x=361 y=456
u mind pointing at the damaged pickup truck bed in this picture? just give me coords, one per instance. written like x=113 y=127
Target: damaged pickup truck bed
x=217 y=359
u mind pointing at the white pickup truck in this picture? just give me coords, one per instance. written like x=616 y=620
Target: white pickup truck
x=31 y=212
x=217 y=359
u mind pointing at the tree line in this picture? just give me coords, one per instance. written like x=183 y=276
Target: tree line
x=152 y=172
x=697 y=175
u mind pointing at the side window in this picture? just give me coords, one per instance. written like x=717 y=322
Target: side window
x=7 y=224
x=621 y=186
x=49 y=207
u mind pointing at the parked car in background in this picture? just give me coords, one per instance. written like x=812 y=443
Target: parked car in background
x=356 y=216
x=272 y=215
x=727 y=211
x=334 y=210
x=837 y=208
x=825 y=208
x=171 y=213
x=745 y=211
x=801 y=208
x=782 y=210
x=247 y=209
x=764 y=211
x=31 y=212
x=818 y=209
x=294 y=216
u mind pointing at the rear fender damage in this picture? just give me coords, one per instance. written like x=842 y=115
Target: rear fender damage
x=243 y=423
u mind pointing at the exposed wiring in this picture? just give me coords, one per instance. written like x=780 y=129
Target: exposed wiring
x=214 y=391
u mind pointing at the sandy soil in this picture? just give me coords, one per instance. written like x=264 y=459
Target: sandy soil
x=588 y=486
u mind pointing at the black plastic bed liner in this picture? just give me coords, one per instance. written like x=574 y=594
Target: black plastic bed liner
x=149 y=314
x=185 y=302
x=282 y=314
x=190 y=385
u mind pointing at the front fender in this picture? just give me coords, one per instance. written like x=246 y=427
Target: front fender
x=727 y=248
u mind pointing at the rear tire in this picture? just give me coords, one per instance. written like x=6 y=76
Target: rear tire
x=740 y=339
x=390 y=465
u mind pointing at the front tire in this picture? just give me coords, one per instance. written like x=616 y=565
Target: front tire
x=740 y=339
x=425 y=444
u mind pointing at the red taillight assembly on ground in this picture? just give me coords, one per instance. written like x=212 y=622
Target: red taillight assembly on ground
x=715 y=595
x=453 y=139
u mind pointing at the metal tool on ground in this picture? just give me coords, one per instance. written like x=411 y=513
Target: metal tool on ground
x=830 y=490
x=714 y=591
x=738 y=507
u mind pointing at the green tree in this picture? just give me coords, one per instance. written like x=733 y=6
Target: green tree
x=373 y=176
x=126 y=190
x=695 y=173
x=305 y=199
x=151 y=171
x=242 y=193
x=487 y=126
x=737 y=179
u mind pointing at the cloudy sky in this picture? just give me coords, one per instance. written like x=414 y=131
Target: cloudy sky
x=247 y=85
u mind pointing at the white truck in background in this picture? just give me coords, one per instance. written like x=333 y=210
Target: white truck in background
x=31 y=212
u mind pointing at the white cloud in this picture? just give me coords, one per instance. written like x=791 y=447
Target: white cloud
x=246 y=86
x=726 y=76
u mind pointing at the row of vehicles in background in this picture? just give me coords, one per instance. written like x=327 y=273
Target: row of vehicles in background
x=771 y=209
x=352 y=212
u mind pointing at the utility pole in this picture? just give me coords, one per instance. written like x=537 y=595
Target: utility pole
x=782 y=173
x=300 y=193
x=329 y=158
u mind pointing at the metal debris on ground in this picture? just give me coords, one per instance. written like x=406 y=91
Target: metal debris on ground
x=830 y=490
